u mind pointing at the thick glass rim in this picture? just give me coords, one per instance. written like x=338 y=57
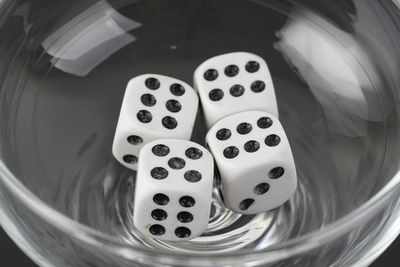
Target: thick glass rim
x=275 y=252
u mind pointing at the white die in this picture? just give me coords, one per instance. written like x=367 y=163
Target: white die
x=254 y=160
x=172 y=105
x=173 y=189
x=232 y=83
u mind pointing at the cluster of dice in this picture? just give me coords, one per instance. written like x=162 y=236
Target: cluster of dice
x=174 y=181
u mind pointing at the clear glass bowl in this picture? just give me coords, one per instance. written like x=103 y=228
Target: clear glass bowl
x=64 y=66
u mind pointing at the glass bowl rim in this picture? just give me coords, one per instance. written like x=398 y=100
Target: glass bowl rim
x=274 y=252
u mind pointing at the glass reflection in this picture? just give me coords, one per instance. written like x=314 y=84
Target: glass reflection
x=336 y=68
x=89 y=38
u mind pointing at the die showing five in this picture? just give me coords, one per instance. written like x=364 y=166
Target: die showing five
x=173 y=189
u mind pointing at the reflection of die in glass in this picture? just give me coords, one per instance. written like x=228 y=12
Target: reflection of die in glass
x=255 y=161
x=232 y=83
x=173 y=189
x=154 y=106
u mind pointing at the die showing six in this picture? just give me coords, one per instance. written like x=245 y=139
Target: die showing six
x=255 y=161
x=233 y=83
x=154 y=107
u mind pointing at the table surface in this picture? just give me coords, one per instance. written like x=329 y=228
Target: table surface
x=11 y=255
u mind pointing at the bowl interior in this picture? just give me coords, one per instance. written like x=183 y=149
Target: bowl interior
x=64 y=76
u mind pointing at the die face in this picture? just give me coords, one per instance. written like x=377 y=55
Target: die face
x=183 y=172
x=127 y=143
x=255 y=191
x=232 y=83
x=171 y=103
x=154 y=106
x=255 y=161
